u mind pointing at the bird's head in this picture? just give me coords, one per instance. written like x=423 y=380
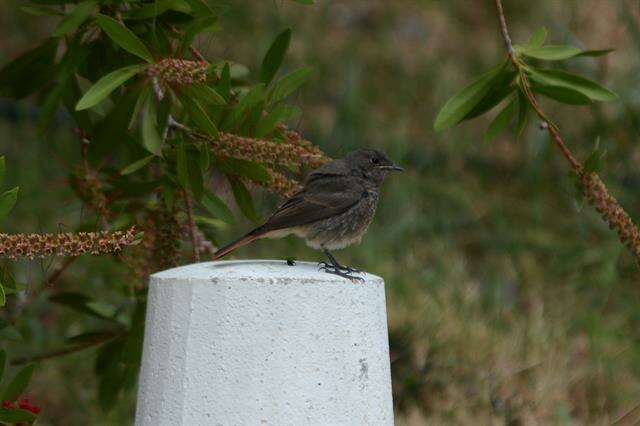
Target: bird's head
x=373 y=164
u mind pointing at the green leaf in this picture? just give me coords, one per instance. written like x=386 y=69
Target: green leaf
x=215 y=206
x=501 y=121
x=158 y=7
x=3 y=297
x=595 y=53
x=560 y=78
x=199 y=116
x=278 y=114
x=594 y=162
x=40 y=10
x=30 y=72
x=49 y=108
x=107 y=84
x=3 y=362
x=73 y=19
x=196 y=181
x=523 y=110
x=464 y=101
x=243 y=199
x=209 y=221
x=3 y=168
x=501 y=88
x=537 y=39
x=7 y=201
x=81 y=303
x=182 y=170
x=250 y=169
x=151 y=138
x=19 y=384
x=288 y=84
x=561 y=94
x=248 y=101
x=274 y=57
x=91 y=337
x=206 y=95
x=551 y=52
x=16 y=415
x=124 y=37
x=137 y=165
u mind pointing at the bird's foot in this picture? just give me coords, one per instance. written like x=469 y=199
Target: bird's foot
x=338 y=267
x=341 y=272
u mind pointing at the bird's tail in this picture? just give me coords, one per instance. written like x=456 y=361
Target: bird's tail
x=246 y=239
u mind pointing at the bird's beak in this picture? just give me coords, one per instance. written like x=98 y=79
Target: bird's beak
x=392 y=167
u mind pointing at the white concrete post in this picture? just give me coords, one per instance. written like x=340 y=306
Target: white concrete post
x=247 y=343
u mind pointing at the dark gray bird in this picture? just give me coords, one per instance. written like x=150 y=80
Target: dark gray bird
x=332 y=211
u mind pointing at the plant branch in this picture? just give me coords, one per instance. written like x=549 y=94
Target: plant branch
x=63 y=352
x=192 y=226
x=592 y=186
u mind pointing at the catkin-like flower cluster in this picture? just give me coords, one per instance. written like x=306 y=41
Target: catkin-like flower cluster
x=268 y=152
x=281 y=184
x=33 y=246
x=612 y=212
x=179 y=71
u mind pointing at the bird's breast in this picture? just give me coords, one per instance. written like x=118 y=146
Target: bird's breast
x=346 y=228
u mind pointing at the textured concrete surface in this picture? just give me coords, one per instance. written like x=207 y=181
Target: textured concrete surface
x=263 y=343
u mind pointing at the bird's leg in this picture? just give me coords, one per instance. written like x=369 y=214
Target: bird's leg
x=337 y=265
x=335 y=268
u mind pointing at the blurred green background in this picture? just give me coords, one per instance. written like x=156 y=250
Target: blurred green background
x=509 y=303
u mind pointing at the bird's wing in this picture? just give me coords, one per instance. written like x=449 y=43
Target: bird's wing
x=320 y=199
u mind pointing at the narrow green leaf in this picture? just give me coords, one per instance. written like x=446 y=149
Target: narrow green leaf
x=7 y=201
x=3 y=362
x=565 y=95
x=243 y=199
x=107 y=84
x=274 y=57
x=245 y=168
x=278 y=114
x=151 y=138
x=30 y=72
x=206 y=95
x=288 y=84
x=3 y=168
x=572 y=81
x=200 y=8
x=248 y=101
x=209 y=221
x=81 y=303
x=538 y=38
x=501 y=121
x=595 y=53
x=124 y=37
x=199 y=116
x=49 y=109
x=196 y=180
x=16 y=415
x=158 y=7
x=215 y=206
x=464 y=101
x=501 y=88
x=3 y=297
x=137 y=165
x=73 y=19
x=523 y=110
x=182 y=170
x=40 y=10
x=551 y=52
x=19 y=384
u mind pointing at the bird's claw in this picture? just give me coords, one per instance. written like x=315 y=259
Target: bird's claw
x=341 y=272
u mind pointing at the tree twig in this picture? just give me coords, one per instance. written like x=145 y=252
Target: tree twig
x=192 y=226
x=592 y=186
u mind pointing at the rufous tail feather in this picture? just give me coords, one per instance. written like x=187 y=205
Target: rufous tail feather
x=246 y=239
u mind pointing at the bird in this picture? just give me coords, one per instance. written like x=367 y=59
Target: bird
x=333 y=209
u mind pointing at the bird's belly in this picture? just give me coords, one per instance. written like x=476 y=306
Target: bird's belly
x=343 y=230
